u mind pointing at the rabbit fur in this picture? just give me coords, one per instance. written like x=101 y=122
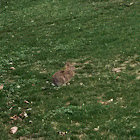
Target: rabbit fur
x=62 y=77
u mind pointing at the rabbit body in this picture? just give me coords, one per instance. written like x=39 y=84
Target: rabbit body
x=62 y=77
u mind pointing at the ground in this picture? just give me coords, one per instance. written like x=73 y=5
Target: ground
x=101 y=38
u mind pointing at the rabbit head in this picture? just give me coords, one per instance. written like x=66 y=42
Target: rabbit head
x=69 y=66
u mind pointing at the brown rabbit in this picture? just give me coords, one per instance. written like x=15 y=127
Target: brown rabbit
x=62 y=77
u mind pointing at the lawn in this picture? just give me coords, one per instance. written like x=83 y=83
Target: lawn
x=102 y=39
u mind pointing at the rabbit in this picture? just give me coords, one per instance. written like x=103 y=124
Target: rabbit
x=62 y=77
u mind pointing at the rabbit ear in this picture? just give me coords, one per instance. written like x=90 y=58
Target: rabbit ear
x=67 y=65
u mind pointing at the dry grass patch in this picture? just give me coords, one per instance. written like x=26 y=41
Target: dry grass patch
x=129 y=62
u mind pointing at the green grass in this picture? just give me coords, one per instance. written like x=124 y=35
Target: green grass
x=38 y=37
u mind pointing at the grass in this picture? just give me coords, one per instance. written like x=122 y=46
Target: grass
x=102 y=38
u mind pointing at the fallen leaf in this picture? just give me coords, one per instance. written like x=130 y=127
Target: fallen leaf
x=68 y=83
x=13 y=130
x=18 y=86
x=24 y=115
x=25 y=101
x=29 y=109
x=10 y=63
x=81 y=84
x=107 y=102
x=68 y=103
x=12 y=68
x=131 y=3
x=1 y=87
x=10 y=108
x=117 y=77
x=104 y=103
x=96 y=129
x=62 y=133
x=30 y=121
x=15 y=117
x=116 y=70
